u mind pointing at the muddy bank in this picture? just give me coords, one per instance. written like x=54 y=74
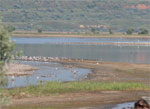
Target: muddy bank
x=114 y=72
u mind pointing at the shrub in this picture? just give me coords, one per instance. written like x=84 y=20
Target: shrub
x=130 y=31
x=143 y=31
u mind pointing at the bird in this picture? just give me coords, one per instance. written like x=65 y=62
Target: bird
x=12 y=78
x=37 y=77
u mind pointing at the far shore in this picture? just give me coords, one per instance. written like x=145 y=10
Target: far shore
x=76 y=35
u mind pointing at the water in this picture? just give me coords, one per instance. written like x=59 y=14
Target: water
x=48 y=72
x=127 y=105
x=112 y=53
x=55 y=47
x=60 y=40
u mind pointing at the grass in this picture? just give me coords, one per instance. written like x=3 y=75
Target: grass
x=71 y=87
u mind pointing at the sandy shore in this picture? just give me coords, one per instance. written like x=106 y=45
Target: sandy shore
x=30 y=34
x=102 y=72
x=16 y=69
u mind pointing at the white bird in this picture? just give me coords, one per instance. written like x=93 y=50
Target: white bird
x=37 y=77
x=74 y=72
x=12 y=78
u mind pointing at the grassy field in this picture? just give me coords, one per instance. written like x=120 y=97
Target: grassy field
x=71 y=87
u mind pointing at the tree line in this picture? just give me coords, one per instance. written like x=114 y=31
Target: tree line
x=140 y=31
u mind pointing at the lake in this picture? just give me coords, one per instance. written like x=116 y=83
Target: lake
x=61 y=40
x=48 y=71
x=55 y=47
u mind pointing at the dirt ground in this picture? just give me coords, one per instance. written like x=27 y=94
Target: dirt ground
x=102 y=71
x=113 y=72
x=48 y=34
x=80 y=100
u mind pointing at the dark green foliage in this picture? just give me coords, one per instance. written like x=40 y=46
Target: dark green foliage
x=110 y=31
x=130 y=31
x=39 y=30
x=143 y=31
x=10 y=28
x=64 y=15
x=6 y=48
x=93 y=30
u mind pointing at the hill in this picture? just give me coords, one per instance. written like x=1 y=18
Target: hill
x=76 y=15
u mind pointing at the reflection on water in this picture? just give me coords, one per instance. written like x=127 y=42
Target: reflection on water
x=48 y=72
x=127 y=105
x=54 y=40
x=131 y=54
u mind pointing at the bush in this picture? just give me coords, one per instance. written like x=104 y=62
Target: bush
x=39 y=30
x=10 y=28
x=6 y=48
x=110 y=31
x=130 y=31
x=143 y=31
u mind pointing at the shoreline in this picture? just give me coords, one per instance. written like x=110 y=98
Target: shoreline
x=47 y=35
x=102 y=72
x=15 y=69
x=116 y=69
x=75 y=35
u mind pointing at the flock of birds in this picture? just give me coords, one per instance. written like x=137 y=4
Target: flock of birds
x=39 y=58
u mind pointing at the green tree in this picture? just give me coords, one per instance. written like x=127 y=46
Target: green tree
x=10 y=28
x=93 y=30
x=39 y=30
x=110 y=31
x=6 y=48
x=6 y=45
x=143 y=31
x=130 y=31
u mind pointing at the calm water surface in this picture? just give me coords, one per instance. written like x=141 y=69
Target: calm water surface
x=112 y=53
x=48 y=72
x=127 y=105
x=60 y=40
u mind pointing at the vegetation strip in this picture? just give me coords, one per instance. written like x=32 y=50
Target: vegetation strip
x=58 y=88
x=80 y=35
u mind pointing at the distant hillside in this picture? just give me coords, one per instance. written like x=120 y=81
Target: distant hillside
x=69 y=15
